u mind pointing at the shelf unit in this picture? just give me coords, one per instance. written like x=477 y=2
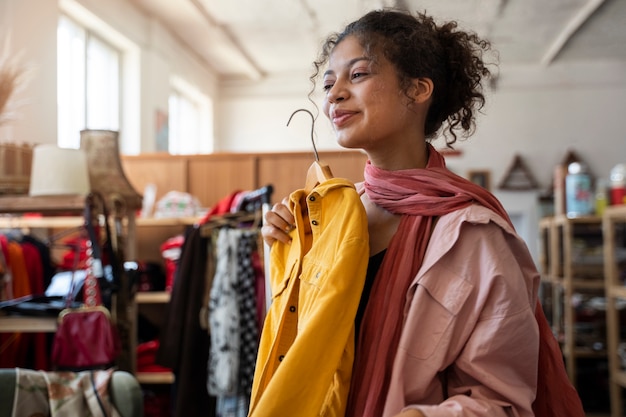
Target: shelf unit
x=546 y=285
x=151 y=233
x=613 y=225
x=148 y=234
x=54 y=213
x=571 y=264
x=153 y=301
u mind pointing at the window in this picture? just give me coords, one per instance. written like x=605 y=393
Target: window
x=99 y=87
x=88 y=83
x=190 y=120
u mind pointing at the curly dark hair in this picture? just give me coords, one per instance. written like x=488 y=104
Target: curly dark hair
x=418 y=47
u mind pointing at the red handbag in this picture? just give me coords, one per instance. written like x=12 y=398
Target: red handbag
x=86 y=338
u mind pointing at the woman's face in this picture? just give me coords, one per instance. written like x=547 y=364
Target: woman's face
x=364 y=101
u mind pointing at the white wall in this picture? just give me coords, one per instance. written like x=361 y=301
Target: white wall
x=542 y=113
x=266 y=106
x=31 y=25
x=538 y=113
x=35 y=48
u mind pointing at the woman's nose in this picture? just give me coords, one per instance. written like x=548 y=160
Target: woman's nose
x=337 y=93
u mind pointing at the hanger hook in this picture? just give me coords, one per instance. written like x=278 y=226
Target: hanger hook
x=317 y=157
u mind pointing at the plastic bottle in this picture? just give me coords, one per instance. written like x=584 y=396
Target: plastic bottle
x=618 y=184
x=578 y=196
x=601 y=196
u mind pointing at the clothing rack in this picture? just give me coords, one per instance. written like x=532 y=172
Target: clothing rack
x=186 y=346
x=236 y=219
x=257 y=198
x=253 y=206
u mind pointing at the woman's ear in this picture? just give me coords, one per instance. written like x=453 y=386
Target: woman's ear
x=422 y=89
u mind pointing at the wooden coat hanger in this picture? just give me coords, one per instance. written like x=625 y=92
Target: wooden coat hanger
x=318 y=172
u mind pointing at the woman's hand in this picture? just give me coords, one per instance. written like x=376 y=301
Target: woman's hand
x=278 y=223
x=410 y=413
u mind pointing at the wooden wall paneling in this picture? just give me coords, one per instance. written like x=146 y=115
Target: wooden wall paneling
x=212 y=177
x=287 y=171
x=149 y=242
x=167 y=172
x=345 y=164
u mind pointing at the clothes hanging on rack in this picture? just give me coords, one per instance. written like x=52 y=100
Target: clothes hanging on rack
x=47 y=264
x=29 y=286
x=184 y=343
x=30 y=276
x=223 y=312
x=232 y=315
x=23 y=275
x=248 y=300
x=17 y=283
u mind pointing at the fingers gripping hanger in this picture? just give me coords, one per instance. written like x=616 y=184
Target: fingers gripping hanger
x=318 y=172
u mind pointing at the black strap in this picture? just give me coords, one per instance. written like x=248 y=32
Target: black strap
x=96 y=203
x=97 y=394
x=107 y=246
x=89 y=219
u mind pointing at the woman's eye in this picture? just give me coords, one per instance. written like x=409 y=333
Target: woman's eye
x=358 y=75
x=327 y=86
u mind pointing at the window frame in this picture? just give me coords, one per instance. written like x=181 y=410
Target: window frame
x=68 y=130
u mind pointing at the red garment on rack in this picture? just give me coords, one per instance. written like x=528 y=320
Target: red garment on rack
x=146 y=357
x=13 y=346
x=37 y=341
x=225 y=205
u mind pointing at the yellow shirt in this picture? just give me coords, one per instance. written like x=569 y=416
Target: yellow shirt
x=304 y=364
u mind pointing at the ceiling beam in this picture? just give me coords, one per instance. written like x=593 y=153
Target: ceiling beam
x=569 y=29
x=255 y=72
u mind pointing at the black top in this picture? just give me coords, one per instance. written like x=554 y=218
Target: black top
x=373 y=266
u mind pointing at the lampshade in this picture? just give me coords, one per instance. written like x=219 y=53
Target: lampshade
x=58 y=171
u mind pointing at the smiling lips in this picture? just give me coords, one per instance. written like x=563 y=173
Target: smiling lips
x=341 y=117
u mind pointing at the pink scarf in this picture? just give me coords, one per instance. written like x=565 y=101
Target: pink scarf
x=420 y=195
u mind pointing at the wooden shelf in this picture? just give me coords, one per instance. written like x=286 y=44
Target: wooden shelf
x=155 y=377
x=66 y=213
x=60 y=212
x=580 y=284
x=152 y=297
x=48 y=204
x=618 y=291
x=152 y=305
x=570 y=272
x=169 y=221
x=59 y=222
x=586 y=353
x=562 y=219
x=52 y=222
x=613 y=215
x=23 y=324
x=619 y=377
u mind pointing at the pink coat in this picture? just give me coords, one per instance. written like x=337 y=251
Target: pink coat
x=470 y=325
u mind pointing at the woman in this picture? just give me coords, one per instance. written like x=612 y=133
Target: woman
x=447 y=322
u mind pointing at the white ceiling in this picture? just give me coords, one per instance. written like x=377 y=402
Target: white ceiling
x=252 y=39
